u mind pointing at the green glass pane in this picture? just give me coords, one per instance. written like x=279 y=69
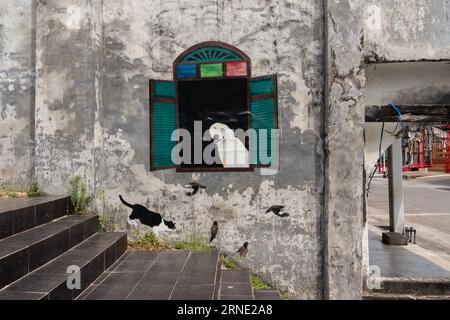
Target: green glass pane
x=164 y=89
x=211 y=70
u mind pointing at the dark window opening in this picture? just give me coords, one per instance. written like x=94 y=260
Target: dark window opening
x=212 y=101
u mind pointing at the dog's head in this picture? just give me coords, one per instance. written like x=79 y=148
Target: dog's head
x=220 y=131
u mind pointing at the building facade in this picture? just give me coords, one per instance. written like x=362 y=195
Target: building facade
x=76 y=99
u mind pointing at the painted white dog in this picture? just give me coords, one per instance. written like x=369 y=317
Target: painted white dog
x=231 y=150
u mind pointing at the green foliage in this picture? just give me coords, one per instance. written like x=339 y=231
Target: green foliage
x=195 y=242
x=107 y=224
x=149 y=242
x=35 y=190
x=284 y=296
x=7 y=192
x=11 y=192
x=81 y=197
x=228 y=263
x=196 y=246
x=258 y=283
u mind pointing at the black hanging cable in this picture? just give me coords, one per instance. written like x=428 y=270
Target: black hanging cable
x=400 y=119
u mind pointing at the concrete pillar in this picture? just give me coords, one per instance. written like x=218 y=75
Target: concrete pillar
x=344 y=138
x=395 y=235
x=396 y=207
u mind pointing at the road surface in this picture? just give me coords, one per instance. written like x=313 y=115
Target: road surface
x=427 y=208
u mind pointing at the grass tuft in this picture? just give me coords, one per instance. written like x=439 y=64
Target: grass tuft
x=12 y=193
x=82 y=199
x=35 y=190
x=228 y=263
x=284 y=296
x=195 y=246
x=151 y=242
x=258 y=283
x=106 y=223
x=148 y=242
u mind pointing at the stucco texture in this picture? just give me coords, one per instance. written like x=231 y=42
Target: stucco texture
x=94 y=62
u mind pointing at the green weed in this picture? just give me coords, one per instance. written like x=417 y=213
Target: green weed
x=35 y=190
x=82 y=199
x=149 y=242
x=258 y=283
x=196 y=246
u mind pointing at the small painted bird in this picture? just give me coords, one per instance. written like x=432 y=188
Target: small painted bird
x=243 y=250
x=195 y=186
x=214 y=230
x=276 y=210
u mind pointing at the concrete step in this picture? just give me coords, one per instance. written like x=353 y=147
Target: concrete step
x=18 y=215
x=396 y=296
x=235 y=285
x=167 y=275
x=93 y=256
x=26 y=251
x=414 y=286
x=267 y=294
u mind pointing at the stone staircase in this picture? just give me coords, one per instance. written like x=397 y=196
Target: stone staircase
x=411 y=289
x=173 y=275
x=40 y=239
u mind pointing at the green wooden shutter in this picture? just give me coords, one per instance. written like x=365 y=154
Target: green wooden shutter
x=163 y=121
x=264 y=117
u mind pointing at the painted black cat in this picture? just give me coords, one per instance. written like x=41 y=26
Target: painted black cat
x=145 y=216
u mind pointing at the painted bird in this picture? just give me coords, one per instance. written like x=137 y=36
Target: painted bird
x=195 y=186
x=214 y=230
x=276 y=210
x=243 y=250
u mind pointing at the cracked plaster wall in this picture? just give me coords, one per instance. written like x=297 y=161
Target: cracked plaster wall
x=407 y=30
x=16 y=92
x=90 y=116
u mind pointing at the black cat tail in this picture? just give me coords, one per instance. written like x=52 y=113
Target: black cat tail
x=125 y=203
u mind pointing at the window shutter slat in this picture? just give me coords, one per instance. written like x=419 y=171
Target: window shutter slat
x=163 y=122
x=264 y=118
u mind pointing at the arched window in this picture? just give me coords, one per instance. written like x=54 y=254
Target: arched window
x=212 y=89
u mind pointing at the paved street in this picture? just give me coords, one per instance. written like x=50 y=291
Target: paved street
x=427 y=208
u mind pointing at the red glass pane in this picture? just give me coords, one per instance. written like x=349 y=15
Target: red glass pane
x=236 y=69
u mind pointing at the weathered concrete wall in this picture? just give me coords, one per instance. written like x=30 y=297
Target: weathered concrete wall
x=90 y=116
x=407 y=30
x=16 y=92
x=66 y=92
x=344 y=172
x=408 y=83
x=142 y=44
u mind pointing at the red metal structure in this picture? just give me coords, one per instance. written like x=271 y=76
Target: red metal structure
x=447 y=155
x=417 y=150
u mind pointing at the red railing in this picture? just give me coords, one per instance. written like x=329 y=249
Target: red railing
x=447 y=153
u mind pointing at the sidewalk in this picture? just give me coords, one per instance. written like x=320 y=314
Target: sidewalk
x=410 y=261
x=420 y=174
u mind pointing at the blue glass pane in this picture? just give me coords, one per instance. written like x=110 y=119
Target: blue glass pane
x=187 y=71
